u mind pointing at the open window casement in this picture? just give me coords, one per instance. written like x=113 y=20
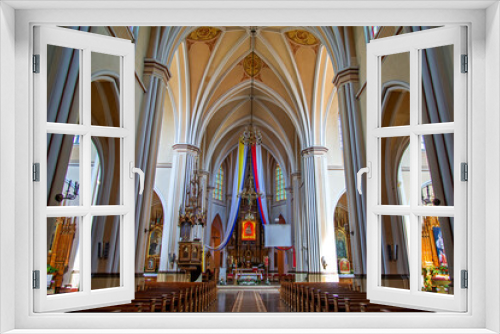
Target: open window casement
x=83 y=170
x=416 y=153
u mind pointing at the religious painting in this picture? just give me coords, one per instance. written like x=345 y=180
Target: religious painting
x=344 y=266
x=184 y=254
x=185 y=231
x=341 y=245
x=154 y=243
x=150 y=264
x=438 y=237
x=194 y=253
x=248 y=231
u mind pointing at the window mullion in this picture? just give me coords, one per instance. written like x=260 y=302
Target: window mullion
x=86 y=227
x=415 y=157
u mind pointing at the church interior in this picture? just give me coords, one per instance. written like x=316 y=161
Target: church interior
x=250 y=139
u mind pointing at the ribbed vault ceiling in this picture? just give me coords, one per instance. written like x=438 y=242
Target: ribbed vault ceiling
x=210 y=89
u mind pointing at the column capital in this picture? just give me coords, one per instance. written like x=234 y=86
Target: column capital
x=297 y=174
x=186 y=148
x=348 y=74
x=154 y=68
x=314 y=150
x=203 y=172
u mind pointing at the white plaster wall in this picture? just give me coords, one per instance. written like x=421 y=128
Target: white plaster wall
x=336 y=186
x=219 y=209
x=280 y=209
x=162 y=182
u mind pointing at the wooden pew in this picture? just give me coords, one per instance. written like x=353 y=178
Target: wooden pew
x=168 y=297
x=330 y=297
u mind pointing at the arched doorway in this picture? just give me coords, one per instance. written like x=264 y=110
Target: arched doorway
x=215 y=260
x=343 y=236
x=153 y=243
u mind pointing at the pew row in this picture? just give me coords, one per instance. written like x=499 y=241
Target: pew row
x=168 y=297
x=330 y=297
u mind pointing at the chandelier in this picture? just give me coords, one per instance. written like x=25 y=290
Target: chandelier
x=251 y=135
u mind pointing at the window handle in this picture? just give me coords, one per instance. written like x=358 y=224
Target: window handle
x=134 y=170
x=368 y=171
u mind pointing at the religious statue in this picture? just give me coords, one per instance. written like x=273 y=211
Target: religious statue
x=155 y=243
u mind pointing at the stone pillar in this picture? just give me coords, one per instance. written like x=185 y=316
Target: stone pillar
x=156 y=76
x=182 y=167
x=289 y=200
x=210 y=218
x=321 y=238
x=297 y=224
x=269 y=198
x=354 y=159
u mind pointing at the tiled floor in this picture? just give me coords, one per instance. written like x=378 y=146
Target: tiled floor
x=248 y=300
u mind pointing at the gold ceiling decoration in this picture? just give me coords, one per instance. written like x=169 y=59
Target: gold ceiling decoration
x=204 y=34
x=302 y=37
x=252 y=64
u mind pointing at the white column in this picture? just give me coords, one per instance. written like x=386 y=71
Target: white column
x=321 y=238
x=182 y=166
x=156 y=76
x=297 y=220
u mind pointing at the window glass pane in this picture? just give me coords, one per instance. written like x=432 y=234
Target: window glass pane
x=106 y=180
x=437 y=85
x=105 y=90
x=437 y=170
x=395 y=94
x=437 y=255
x=63 y=255
x=395 y=272
x=219 y=180
x=403 y=183
x=105 y=252
x=63 y=96
x=395 y=170
x=63 y=170
x=280 y=184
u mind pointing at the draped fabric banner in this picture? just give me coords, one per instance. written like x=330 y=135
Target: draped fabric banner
x=238 y=184
x=260 y=188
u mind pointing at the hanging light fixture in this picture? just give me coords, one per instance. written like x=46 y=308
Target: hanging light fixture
x=251 y=135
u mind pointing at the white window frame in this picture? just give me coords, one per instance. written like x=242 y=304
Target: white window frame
x=86 y=44
x=482 y=315
x=412 y=43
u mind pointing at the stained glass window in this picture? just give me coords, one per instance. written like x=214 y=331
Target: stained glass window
x=219 y=181
x=280 y=184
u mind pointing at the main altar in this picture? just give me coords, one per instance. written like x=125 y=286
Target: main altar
x=246 y=251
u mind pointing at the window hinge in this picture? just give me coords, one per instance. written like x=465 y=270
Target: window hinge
x=465 y=64
x=36 y=63
x=465 y=279
x=36 y=279
x=36 y=172
x=464 y=171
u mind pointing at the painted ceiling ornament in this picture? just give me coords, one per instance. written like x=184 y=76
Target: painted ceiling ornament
x=252 y=64
x=302 y=37
x=204 y=34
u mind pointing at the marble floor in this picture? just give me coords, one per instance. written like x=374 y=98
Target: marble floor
x=248 y=300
